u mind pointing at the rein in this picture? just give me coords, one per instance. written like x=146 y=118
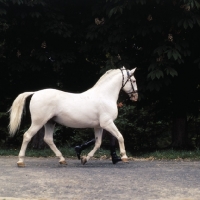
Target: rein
x=128 y=79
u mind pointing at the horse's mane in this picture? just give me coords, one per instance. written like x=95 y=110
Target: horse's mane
x=105 y=77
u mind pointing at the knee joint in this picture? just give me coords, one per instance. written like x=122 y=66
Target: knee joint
x=27 y=137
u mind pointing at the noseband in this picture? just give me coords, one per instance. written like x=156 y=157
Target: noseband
x=128 y=79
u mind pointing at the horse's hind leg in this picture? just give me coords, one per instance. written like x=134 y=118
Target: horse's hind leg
x=48 y=138
x=26 y=139
x=98 y=137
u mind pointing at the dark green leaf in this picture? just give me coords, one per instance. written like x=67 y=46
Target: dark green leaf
x=171 y=71
x=185 y=24
x=152 y=75
x=159 y=74
x=169 y=54
x=197 y=4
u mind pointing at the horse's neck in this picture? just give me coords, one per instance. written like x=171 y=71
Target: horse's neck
x=110 y=88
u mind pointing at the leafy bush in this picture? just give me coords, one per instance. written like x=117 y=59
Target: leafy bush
x=3 y=128
x=142 y=129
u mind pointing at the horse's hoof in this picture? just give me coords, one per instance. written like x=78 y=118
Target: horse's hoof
x=125 y=160
x=63 y=162
x=20 y=164
x=83 y=160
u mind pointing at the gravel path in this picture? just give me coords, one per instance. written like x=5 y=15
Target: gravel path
x=46 y=179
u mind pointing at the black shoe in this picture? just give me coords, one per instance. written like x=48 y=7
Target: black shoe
x=78 y=150
x=115 y=158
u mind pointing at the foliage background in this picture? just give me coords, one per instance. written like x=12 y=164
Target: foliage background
x=69 y=44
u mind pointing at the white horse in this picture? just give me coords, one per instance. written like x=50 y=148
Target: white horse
x=95 y=108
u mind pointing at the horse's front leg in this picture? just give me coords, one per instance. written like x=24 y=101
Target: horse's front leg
x=110 y=127
x=98 y=137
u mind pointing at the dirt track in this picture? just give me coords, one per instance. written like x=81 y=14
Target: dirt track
x=45 y=179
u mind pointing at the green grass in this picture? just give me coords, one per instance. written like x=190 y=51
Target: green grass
x=66 y=151
x=70 y=153
x=47 y=152
x=172 y=155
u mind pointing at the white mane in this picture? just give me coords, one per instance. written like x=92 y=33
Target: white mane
x=110 y=73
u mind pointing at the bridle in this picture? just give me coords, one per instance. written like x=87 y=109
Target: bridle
x=128 y=79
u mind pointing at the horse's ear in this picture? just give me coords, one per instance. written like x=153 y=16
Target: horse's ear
x=123 y=67
x=132 y=71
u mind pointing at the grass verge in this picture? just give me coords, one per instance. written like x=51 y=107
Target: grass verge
x=102 y=153
x=172 y=155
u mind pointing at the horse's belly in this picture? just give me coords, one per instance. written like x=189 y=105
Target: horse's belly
x=76 y=122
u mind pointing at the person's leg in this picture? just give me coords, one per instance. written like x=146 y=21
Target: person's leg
x=114 y=156
x=80 y=148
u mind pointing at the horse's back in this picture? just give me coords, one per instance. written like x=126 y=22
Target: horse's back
x=73 y=110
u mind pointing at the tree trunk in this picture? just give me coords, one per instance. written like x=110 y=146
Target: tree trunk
x=179 y=133
x=179 y=129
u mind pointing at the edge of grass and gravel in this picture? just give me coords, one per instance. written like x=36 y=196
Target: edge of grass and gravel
x=105 y=154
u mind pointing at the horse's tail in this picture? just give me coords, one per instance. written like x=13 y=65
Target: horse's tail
x=16 y=112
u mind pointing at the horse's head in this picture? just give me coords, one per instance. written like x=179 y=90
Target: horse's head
x=129 y=83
